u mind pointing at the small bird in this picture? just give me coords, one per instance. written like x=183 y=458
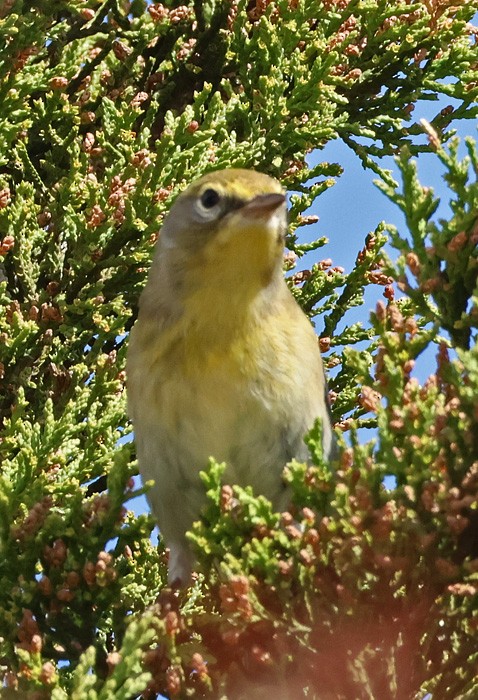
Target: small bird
x=222 y=361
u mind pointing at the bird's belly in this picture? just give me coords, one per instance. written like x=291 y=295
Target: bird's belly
x=220 y=414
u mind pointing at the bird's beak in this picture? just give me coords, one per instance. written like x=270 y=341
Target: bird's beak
x=263 y=205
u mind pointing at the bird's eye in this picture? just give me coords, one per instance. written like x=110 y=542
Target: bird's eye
x=210 y=198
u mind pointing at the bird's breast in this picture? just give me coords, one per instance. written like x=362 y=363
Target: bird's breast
x=237 y=401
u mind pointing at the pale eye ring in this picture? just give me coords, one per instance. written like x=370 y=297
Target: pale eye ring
x=210 y=198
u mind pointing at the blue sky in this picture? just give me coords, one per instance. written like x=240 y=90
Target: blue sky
x=354 y=207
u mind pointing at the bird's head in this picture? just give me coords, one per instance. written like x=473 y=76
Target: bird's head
x=228 y=226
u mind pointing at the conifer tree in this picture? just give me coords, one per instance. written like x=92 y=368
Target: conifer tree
x=368 y=587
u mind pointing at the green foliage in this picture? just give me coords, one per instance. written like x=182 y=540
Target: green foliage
x=366 y=589
x=441 y=256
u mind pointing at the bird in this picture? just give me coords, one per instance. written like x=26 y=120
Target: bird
x=222 y=362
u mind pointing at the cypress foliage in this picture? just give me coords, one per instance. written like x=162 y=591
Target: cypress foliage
x=368 y=588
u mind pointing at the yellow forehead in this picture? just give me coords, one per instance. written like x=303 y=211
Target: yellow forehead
x=242 y=184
